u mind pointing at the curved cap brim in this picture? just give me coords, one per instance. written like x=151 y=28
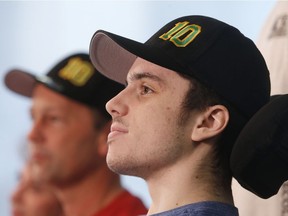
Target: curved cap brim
x=109 y=57
x=20 y=82
x=23 y=83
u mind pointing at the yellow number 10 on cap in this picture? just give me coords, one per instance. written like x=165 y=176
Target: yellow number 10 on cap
x=180 y=29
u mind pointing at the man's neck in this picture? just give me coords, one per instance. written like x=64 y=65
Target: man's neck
x=184 y=183
x=89 y=195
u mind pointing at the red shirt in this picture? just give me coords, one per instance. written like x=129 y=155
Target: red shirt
x=125 y=204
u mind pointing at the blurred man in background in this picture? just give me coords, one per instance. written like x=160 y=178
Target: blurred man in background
x=68 y=137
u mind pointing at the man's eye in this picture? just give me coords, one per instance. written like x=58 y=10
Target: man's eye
x=53 y=118
x=146 y=90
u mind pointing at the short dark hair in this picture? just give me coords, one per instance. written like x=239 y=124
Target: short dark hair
x=199 y=97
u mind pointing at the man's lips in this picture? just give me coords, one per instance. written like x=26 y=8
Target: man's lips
x=116 y=130
x=38 y=156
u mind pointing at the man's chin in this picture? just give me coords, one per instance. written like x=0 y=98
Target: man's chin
x=40 y=172
x=120 y=167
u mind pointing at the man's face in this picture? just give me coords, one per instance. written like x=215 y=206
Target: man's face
x=146 y=134
x=33 y=198
x=63 y=138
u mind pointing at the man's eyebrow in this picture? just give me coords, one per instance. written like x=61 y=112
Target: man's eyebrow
x=138 y=76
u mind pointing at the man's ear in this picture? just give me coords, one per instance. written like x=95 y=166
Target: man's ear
x=210 y=123
x=102 y=141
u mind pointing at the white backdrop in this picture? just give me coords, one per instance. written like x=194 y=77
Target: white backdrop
x=34 y=35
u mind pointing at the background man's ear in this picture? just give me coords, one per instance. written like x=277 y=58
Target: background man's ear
x=210 y=123
x=102 y=141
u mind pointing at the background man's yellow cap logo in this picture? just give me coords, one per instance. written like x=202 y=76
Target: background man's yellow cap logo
x=77 y=71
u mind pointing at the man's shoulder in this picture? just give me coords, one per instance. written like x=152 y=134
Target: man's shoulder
x=206 y=208
x=125 y=204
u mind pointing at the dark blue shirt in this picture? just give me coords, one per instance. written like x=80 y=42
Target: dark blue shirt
x=207 y=208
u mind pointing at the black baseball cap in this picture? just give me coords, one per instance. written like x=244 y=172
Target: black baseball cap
x=259 y=160
x=216 y=54
x=74 y=77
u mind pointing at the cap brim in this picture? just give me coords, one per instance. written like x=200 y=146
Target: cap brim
x=113 y=55
x=23 y=83
x=109 y=57
x=20 y=82
x=259 y=160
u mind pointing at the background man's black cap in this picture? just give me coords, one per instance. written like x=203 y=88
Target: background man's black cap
x=74 y=77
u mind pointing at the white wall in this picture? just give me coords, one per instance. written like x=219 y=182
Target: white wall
x=34 y=35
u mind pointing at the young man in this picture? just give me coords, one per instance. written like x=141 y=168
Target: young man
x=68 y=139
x=33 y=198
x=190 y=90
